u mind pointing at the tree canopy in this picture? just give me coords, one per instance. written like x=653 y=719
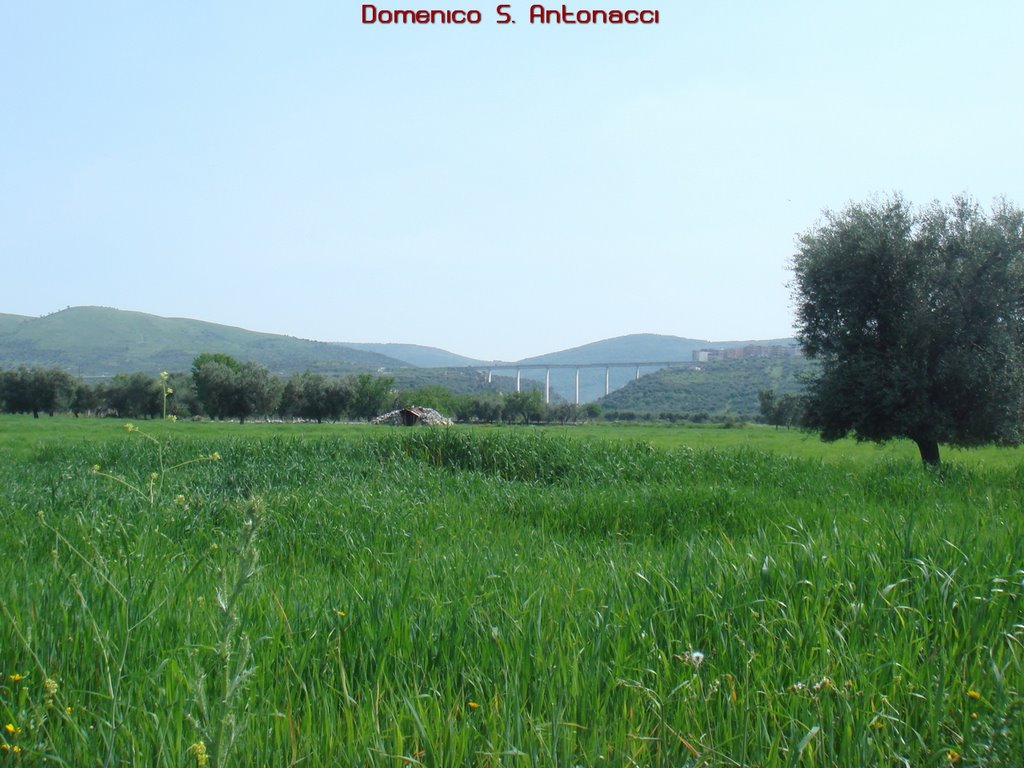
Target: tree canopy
x=917 y=319
x=35 y=390
x=227 y=388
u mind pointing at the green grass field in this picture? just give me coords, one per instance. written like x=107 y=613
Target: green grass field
x=587 y=596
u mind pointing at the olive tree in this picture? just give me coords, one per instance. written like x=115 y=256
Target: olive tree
x=228 y=389
x=371 y=395
x=35 y=390
x=310 y=395
x=917 y=319
x=137 y=395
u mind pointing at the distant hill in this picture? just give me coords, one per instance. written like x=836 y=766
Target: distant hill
x=716 y=388
x=458 y=380
x=634 y=348
x=414 y=354
x=9 y=322
x=99 y=342
x=640 y=348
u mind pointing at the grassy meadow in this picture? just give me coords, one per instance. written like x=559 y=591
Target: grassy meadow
x=218 y=594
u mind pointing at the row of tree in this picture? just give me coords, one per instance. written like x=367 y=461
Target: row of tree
x=221 y=387
x=218 y=387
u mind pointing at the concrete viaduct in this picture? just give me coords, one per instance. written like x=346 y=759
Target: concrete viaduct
x=547 y=368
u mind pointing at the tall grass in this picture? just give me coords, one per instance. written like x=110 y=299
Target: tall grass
x=503 y=598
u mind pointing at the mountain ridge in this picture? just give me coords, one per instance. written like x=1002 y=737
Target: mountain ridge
x=103 y=341
x=640 y=348
x=416 y=354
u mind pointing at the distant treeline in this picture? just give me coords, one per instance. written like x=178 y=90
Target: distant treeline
x=221 y=387
x=720 y=389
x=785 y=410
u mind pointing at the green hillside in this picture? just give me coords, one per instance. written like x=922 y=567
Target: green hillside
x=634 y=348
x=460 y=381
x=721 y=387
x=9 y=322
x=415 y=354
x=99 y=341
x=639 y=348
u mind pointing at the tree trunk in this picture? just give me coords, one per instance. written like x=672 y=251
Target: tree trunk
x=929 y=450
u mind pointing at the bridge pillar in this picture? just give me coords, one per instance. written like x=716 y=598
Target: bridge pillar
x=547 y=387
x=606 y=389
x=518 y=377
x=577 y=386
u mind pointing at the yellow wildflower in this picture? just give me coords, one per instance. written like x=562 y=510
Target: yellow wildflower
x=12 y=729
x=341 y=614
x=973 y=694
x=198 y=750
x=953 y=756
x=472 y=704
x=15 y=678
x=95 y=467
x=215 y=456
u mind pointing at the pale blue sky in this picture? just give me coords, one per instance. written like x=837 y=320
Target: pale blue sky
x=496 y=191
